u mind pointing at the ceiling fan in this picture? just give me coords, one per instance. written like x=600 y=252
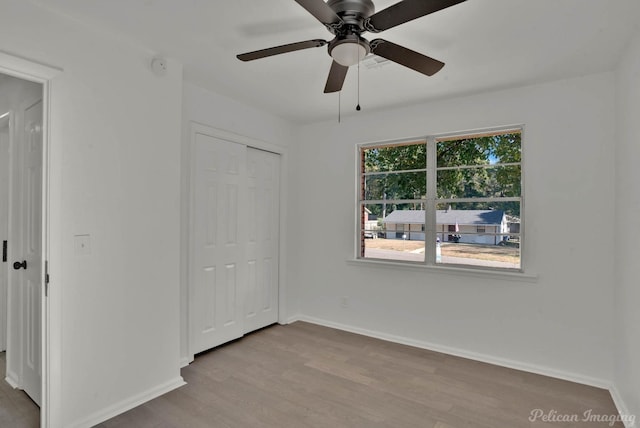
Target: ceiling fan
x=347 y=20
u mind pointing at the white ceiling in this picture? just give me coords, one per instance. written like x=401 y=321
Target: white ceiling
x=486 y=45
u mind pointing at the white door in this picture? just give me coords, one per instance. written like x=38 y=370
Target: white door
x=4 y=226
x=29 y=275
x=262 y=247
x=219 y=196
x=234 y=240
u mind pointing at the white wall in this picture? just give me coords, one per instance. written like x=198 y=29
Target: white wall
x=217 y=111
x=115 y=175
x=627 y=231
x=562 y=323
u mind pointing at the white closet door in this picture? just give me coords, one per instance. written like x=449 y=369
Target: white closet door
x=261 y=304
x=218 y=241
x=235 y=233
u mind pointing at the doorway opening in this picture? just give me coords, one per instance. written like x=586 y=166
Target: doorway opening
x=21 y=235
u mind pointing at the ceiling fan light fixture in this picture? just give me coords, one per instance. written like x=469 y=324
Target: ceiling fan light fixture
x=348 y=53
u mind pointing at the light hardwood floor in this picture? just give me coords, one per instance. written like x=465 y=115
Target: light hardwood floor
x=16 y=408
x=304 y=375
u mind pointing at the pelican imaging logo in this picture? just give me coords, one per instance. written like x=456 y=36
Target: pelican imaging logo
x=587 y=416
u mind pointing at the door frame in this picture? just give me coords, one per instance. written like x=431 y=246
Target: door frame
x=6 y=118
x=188 y=200
x=51 y=314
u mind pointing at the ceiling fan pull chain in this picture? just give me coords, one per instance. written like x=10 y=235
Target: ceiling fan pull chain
x=358 y=106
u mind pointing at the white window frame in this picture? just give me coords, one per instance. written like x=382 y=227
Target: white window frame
x=431 y=202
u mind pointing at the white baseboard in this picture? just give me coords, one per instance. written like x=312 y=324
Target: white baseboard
x=490 y=359
x=11 y=380
x=128 y=404
x=293 y=319
x=622 y=408
x=184 y=362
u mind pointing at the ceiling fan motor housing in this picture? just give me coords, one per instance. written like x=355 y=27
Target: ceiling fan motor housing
x=353 y=12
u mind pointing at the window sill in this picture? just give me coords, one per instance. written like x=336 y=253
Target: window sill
x=446 y=269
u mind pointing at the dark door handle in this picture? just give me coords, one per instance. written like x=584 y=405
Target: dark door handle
x=18 y=265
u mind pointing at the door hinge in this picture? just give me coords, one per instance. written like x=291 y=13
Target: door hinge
x=46 y=278
x=4 y=251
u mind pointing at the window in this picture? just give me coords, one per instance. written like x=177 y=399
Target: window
x=452 y=200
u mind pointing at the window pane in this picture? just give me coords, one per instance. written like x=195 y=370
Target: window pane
x=371 y=221
x=395 y=158
x=408 y=185
x=461 y=243
x=511 y=209
x=501 y=181
x=505 y=256
x=505 y=148
x=393 y=234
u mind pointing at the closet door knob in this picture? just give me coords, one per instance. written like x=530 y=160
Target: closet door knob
x=18 y=265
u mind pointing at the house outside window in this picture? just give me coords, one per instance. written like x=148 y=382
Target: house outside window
x=462 y=193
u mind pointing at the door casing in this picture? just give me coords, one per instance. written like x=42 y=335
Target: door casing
x=5 y=182
x=50 y=308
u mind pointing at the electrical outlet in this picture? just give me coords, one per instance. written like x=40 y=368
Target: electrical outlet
x=344 y=302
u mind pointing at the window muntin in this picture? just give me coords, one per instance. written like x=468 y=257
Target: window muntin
x=415 y=189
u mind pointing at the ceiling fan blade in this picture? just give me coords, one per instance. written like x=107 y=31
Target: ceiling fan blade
x=337 y=74
x=277 y=50
x=403 y=56
x=405 y=11
x=321 y=11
